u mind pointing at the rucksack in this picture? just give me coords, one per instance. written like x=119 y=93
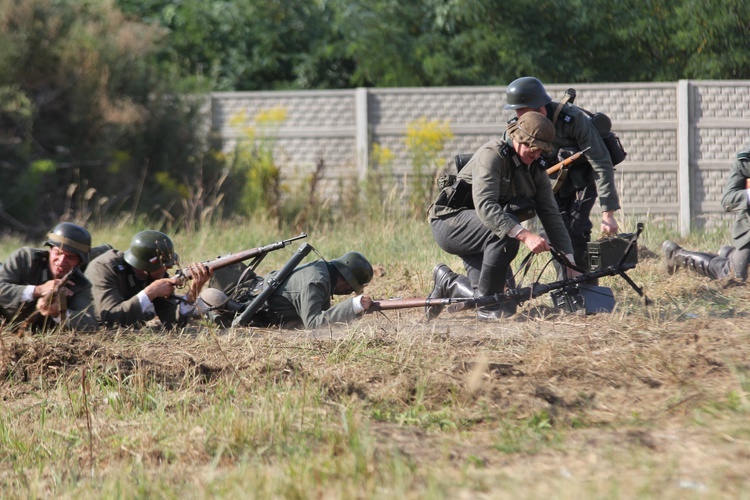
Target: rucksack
x=601 y=123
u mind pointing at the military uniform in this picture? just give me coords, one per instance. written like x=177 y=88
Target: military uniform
x=305 y=298
x=30 y=266
x=586 y=179
x=115 y=291
x=735 y=199
x=479 y=235
x=731 y=260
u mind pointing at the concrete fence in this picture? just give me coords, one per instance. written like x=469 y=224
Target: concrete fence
x=680 y=137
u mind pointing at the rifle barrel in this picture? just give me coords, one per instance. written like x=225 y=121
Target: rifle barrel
x=391 y=304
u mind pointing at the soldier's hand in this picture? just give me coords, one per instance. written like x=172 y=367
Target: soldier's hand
x=49 y=308
x=201 y=274
x=534 y=242
x=366 y=302
x=163 y=288
x=609 y=224
x=48 y=287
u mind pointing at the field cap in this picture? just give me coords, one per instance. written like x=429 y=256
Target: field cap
x=533 y=129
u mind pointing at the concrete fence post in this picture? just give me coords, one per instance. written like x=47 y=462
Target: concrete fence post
x=363 y=132
x=684 y=148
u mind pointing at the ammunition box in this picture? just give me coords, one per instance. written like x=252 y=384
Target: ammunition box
x=609 y=252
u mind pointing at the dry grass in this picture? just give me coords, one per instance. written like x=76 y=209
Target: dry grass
x=647 y=401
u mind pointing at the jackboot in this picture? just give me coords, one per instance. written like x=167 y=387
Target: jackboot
x=737 y=261
x=488 y=285
x=447 y=284
x=700 y=262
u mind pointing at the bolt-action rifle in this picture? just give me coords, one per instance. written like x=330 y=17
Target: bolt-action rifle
x=257 y=254
x=562 y=167
x=520 y=295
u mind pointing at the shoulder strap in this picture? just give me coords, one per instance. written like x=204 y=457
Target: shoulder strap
x=570 y=94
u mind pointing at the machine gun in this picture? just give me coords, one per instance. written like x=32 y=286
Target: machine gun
x=573 y=294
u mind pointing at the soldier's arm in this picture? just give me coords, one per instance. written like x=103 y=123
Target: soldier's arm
x=735 y=197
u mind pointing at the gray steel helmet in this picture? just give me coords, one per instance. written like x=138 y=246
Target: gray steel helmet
x=526 y=92
x=150 y=251
x=71 y=238
x=355 y=269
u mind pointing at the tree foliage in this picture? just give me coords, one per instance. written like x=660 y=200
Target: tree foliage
x=98 y=106
x=256 y=45
x=87 y=105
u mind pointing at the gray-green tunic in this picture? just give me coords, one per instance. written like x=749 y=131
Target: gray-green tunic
x=306 y=297
x=115 y=290
x=496 y=175
x=574 y=129
x=30 y=266
x=735 y=199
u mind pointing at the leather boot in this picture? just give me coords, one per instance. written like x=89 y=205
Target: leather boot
x=700 y=262
x=737 y=261
x=494 y=311
x=447 y=284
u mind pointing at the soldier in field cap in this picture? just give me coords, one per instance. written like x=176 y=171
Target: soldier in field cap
x=478 y=217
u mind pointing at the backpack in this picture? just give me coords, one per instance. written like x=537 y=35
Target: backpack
x=601 y=123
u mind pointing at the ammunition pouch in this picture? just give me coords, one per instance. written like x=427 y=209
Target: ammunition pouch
x=456 y=193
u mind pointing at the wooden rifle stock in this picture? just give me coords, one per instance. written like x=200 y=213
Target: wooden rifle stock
x=234 y=258
x=566 y=162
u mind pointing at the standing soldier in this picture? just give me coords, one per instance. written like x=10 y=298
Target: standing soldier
x=132 y=287
x=731 y=260
x=45 y=288
x=586 y=179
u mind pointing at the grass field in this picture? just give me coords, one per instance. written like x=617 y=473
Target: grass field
x=649 y=401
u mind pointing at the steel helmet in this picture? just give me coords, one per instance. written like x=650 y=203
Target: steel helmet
x=71 y=238
x=150 y=251
x=526 y=92
x=355 y=269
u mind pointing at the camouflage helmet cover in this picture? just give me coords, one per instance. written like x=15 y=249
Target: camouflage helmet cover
x=71 y=238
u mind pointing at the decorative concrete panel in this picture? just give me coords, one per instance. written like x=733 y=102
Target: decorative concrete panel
x=473 y=106
x=304 y=109
x=649 y=145
x=721 y=144
x=723 y=100
x=668 y=134
x=648 y=188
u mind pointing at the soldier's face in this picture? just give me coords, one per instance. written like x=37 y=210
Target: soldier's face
x=62 y=261
x=527 y=154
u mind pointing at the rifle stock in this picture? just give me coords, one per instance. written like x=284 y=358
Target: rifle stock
x=234 y=258
x=566 y=162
